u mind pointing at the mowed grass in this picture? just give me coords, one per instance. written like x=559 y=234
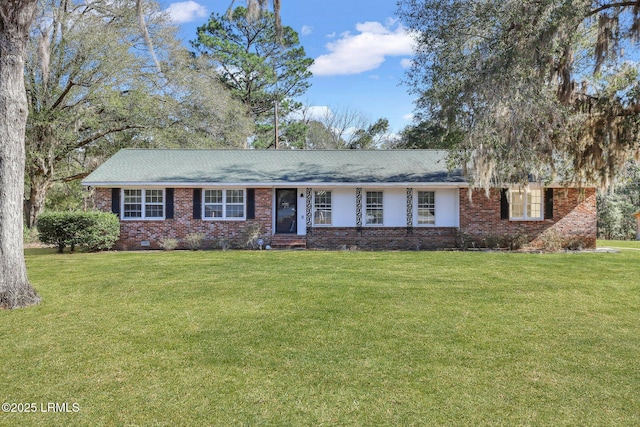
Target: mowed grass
x=620 y=244
x=326 y=338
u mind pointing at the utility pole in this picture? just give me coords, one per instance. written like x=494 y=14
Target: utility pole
x=276 y=125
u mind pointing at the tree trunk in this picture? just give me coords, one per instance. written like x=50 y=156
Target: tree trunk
x=34 y=205
x=16 y=17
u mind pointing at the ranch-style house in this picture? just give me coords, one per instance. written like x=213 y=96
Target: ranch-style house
x=365 y=199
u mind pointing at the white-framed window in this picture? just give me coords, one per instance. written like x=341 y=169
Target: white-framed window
x=426 y=207
x=141 y=203
x=223 y=204
x=374 y=209
x=525 y=204
x=322 y=207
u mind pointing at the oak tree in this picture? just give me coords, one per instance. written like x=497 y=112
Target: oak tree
x=93 y=88
x=16 y=17
x=16 y=25
x=530 y=89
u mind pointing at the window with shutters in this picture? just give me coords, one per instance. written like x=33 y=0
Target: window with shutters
x=141 y=203
x=224 y=204
x=525 y=204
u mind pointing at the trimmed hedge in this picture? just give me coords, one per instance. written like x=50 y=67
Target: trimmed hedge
x=94 y=230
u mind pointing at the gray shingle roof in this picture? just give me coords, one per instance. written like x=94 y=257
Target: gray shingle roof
x=181 y=167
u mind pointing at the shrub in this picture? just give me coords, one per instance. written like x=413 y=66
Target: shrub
x=194 y=240
x=54 y=228
x=252 y=233
x=574 y=244
x=224 y=244
x=514 y=242
x=168 y=244
x=551 y=241
x=30 y=235
x=93 y=230
x=464 y=240
x=492 y=242
x=102 y=230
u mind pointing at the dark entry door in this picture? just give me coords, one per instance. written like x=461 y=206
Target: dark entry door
x=286 y=207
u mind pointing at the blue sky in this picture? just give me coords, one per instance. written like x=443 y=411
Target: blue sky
x=361 y=52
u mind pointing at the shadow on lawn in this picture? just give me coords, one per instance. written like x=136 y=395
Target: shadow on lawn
x=40 y=251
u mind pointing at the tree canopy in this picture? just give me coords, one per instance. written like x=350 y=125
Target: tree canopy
x=530 y=88
x=256 y=7
x=93 y=88
x=260 y=69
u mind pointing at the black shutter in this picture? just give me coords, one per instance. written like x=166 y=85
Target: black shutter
x=197 y=203
x=548 y=203
x=115 y=201
x=504 y=204
x=251 y=203
x=169 y=195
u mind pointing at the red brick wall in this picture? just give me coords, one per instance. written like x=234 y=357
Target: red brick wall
x=102 y=199
x=132 y=233
x=574 y=218
x=417 y=238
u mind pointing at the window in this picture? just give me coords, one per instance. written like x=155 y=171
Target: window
x=234 y=203
x=143 y=204
x=426 y=208
x=154 y=204
x=132 y=204
x=213 y=204
x=322 y=208
x=525 y=204
x=224 y=204
x=374 y=208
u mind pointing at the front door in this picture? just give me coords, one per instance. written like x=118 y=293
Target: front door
x=286 y=208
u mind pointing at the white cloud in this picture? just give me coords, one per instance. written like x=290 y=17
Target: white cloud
x=306 y=30
x=312 y=112
x=372 y=27
x=364 y=51
x=406 y=62
x=318 y=112
x=391 y=21
x=186 y=11
x=408 y=117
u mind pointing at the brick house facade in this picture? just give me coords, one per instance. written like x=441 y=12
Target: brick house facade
x=572 y=220
x=134 y=233
x=327 y=200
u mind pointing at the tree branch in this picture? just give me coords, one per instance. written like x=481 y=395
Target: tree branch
x=99 y=135
x=95 y=137
x=612 y=5
x=145 y=34
x=72 y=177
x=64 y=93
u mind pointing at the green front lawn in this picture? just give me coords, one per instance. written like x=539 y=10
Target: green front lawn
x=326 y=338
x=626 y=244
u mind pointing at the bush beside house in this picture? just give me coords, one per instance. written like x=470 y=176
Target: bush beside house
x=92 y=230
